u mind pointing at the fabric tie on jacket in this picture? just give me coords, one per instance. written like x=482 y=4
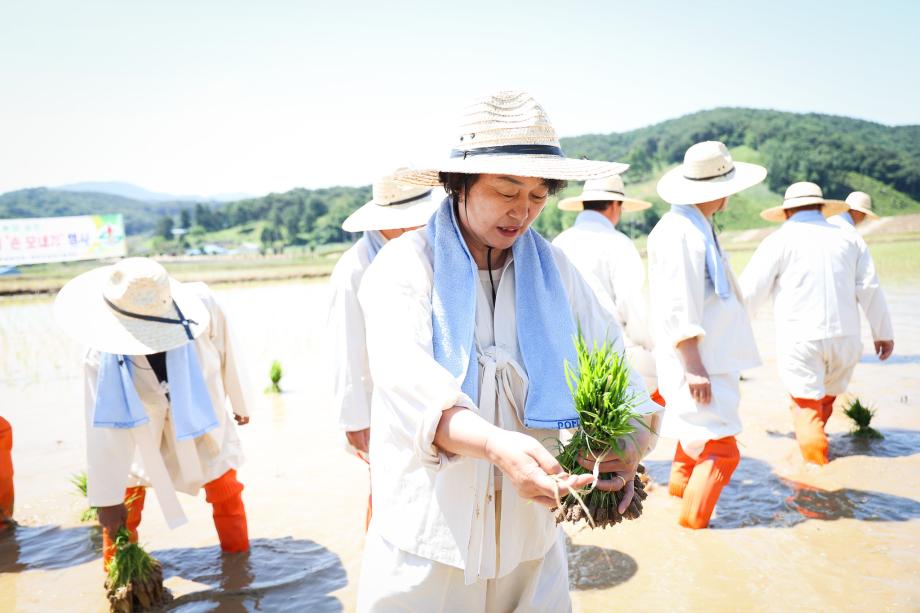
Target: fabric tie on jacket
x=544 y=320
x=812 y=215
x=375 y=241
x=714 y=264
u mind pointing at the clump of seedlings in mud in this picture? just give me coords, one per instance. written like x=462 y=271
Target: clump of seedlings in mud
x=274 y=375
x=135 y=579
x=79 y=481
x=862 y=417
x=606 y=410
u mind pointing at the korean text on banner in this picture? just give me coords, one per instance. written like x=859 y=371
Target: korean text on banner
x=61 y=239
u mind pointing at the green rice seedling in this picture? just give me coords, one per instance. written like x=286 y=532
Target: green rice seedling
x=275 y=374
x=79 y=481
x=606 y=409
x=135 y=579
x=861 y=416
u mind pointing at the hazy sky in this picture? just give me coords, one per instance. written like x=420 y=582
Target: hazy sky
x=206 y=97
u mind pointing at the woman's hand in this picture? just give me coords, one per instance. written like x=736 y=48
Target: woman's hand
x=622 y=464
x=528 y=465
x=241 y=419
x=359 y=439
x=695 y=372
x=112 y=518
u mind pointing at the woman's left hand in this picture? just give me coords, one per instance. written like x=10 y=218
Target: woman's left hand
x=623 y=464
x=241 y=419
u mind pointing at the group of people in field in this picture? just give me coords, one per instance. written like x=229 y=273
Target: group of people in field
x=451 y=323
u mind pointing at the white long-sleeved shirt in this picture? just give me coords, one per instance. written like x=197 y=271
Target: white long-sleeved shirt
x=610 y=261
x=425 y=503
x=189 y=464
x=347 y=345
x=816 y=275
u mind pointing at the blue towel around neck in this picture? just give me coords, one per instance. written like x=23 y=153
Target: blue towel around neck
x=714 y=264
x=119 y=406
x=808 y=216
x=545 y=326
x=375 y=241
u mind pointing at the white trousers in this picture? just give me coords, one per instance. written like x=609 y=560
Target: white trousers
x=393 y=580
x=815 y=369
x=695 y=424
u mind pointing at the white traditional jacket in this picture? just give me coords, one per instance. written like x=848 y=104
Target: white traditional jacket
x=351 y=379
x=609 y=259
x=816 y=275
x=118 y=458
x=425 y=503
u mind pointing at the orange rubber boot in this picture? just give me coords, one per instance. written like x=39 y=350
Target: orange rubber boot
x=226 y=496
x=6 y=473
x=681 y=469
x=134 y=505
x=827 y=408
x=808 y=417
x=657 y=397
x=712 y=472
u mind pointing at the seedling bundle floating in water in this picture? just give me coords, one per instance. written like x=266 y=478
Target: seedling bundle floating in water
x=606 y=409
x=135 y=579
x=861 y=416
x=274 y=374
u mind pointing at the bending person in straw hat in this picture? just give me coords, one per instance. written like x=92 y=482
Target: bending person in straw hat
x=609 y=258
x=859 y=208
x=394 y=209
x=469 y=323
x=703 y=335
x=816 y=276
x=158 y=374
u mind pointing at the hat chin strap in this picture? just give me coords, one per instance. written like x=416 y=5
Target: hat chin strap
x=183 y=320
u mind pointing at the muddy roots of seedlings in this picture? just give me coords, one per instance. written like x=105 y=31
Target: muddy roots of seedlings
x=603 y=505
x=135 y=579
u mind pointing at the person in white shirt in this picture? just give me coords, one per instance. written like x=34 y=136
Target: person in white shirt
x=860 y=209
x=395 y=208
x=610 y=260
x=469 y=323
x=816 y=275
x=703 y=337
x=159 y=375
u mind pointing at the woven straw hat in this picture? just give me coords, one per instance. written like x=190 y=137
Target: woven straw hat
x=708 y=173
x=130 y=308
x=862 y=202
x=800 y=194
x=395 y=205
x=603 y=190
x=509 y=133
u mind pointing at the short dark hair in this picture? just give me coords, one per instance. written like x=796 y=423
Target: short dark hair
x=455 y=182
x=597 y=205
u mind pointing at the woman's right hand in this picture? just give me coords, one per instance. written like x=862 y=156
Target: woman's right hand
x=112 y=518
x=528 y=465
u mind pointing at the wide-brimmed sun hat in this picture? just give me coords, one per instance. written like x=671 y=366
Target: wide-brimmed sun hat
x=603 y=190
x=395 y=205
x=801 y=194
x=132 y=307
x=508 y=133
x=708 y=173
x=862 y=202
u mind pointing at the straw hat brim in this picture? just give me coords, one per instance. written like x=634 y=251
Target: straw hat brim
x=576 y=203
x=373 y=216
x=675 y=188
x=830 y=208
x=868 y=212
x=83 y=314
x=539 y=166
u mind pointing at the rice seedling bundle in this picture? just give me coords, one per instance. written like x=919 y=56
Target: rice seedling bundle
x=861 y=416
x=135 y=579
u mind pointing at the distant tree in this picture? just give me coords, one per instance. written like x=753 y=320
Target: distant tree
x=165 y=226
x=185 y=219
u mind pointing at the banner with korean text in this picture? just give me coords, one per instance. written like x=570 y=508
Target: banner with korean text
x=61 y=239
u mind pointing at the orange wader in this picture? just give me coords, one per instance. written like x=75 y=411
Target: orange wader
x=700 y=481
x=225 y=495
x=810 y=416
x=134 y=505
x=6 y=472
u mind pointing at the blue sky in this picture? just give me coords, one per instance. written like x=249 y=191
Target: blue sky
x=206 y=97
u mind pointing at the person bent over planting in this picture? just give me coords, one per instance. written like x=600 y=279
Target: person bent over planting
x=159 y=372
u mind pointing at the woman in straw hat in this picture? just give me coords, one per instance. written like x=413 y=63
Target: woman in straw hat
x=859 y=208
x=609 y=259
x=703 y=335
x=816 y=275
x=469 y=323
x=394 y=209
x=158 y=373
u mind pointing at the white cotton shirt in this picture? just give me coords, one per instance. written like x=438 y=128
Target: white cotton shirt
x=439 y=508
x=111 y=452
x=816 y=275
x=347 y=347
x=609 y=260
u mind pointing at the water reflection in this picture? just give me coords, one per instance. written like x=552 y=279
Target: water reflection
x=594 y=568
x=897 y=443
x=48 y=547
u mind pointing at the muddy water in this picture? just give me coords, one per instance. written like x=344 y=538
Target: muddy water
x=785 y=536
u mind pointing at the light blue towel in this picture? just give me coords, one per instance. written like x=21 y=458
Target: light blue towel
x=714 y=264
x=812 y=215
x=545 y=325
x=376 y=241
x=119 y=406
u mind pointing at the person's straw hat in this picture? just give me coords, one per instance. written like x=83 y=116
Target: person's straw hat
x=801 y=194
x=603 y=190
x=132 y=307
x=862 y=202
x=395 y=205
x=708 y=173
x=508 y=133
